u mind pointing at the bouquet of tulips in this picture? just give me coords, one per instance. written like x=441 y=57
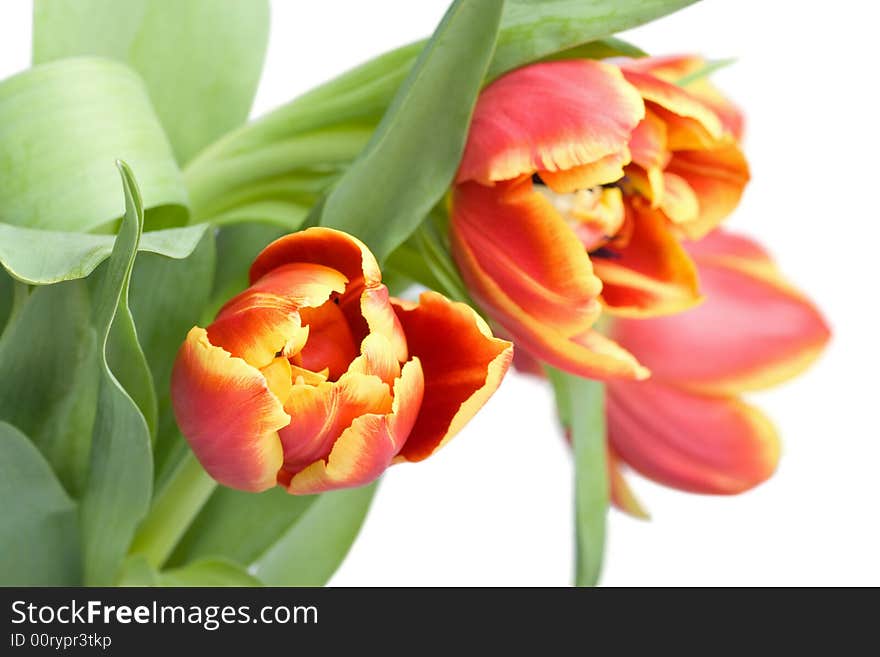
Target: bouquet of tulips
x=217 y=334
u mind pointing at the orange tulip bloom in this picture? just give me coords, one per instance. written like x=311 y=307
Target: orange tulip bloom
x=314 y=379
x=577 y=180
x=687 y=427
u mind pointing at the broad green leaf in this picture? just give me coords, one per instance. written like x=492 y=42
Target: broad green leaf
x=120 y=478
x=581 y=404
x=534 y=29
x=38 y=532
x=41 y=257
x=62 y=127
x=208 y=572
x=284 y=176
x=201 y=60
x=49 y=387
x=417 y=146
x=313 y=548
x=241 y=526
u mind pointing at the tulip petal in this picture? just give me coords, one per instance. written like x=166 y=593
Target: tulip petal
x=588 y=354
x=515 y=237
x=648 y=143
x=381 y=319
x=699 y=444
x=366 y=448
x=264 y=320
x=717 y=177
x=229 y=416
x=324 y=246
x=377 y=358
x=549 y=116
x=665 y=98
x=463 y=365
x=753 y=330
x=605 y=170
x=679 y=203
x=320 y=414
x=673 y=68
x=653 y=275
x=257 y=327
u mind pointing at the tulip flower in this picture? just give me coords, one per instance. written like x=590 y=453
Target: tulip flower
x=578 y=180
x=687 y=427
x=314 y=379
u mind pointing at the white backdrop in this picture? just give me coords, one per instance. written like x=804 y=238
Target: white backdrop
x=494 y=507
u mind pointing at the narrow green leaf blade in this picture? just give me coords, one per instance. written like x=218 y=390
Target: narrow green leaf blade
x=39 y=532
x=208 y=572
x=118 y=491
x=62 y=126
x=582 y=402
x=534 y=29
x=411 y=160
x=257 y=522
x=43 y=257
x=201 y=62
x=167 y=298
x=313 y=548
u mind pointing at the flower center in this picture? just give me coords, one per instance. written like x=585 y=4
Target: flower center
x=597 y=215
x=330 y=344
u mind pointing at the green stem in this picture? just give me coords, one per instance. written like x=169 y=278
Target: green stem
x=581 y=406
x=174 y=508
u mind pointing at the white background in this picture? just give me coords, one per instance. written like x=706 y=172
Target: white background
x=494 y=507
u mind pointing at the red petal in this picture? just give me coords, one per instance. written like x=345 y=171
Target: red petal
x=693 y=443
x=319 y=414
x=549 y=117
x=752 y=331
x=653 y=275
x=717 y=177
x=462 y=363
x=511 y=243
x=228 y=415
x=366 y=448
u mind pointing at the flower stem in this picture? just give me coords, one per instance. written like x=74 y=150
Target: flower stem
x=173 y=509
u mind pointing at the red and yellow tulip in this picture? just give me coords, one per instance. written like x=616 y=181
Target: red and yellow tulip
x=314 y=379
x=578 y=180
x=687 y=427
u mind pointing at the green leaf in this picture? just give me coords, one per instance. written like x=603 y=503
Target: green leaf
x=137 y=571
x=167 y=299
x=208 y=572
x=41 y=257
x=62 y=126
x=582 y=403
x=120 y=478
x=39 y=532
x=201 y=62
x=313 y=548
x=237 y=246
x=534 y=29
x=49 y=387
x=284 y=540
x=418 y=144
x=240 y=526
